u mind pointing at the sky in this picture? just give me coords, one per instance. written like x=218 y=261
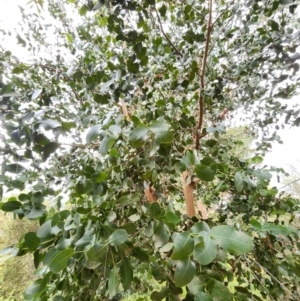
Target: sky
x=282 y=155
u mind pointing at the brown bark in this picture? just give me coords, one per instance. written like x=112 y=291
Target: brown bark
x=150 y=194
x=188 y=191
x=124 y=110
x=201 y=208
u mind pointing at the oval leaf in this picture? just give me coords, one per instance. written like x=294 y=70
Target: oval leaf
x=118 y=237
x=15 y=168
x=31 y=240
x=238 y=181
x=185 y=272
x=206 y=250
x=183 y=246
x=204 y=172
x=126 y=273
x=60 y=260
x=138 y=136
x=230 y=240
x=11 y=206
x=93 y=133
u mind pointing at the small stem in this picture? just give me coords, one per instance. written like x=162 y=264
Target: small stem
x=222 y=13
x=165 y=35
x=202 y=83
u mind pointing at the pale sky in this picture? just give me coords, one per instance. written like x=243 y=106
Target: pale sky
x=282 y=155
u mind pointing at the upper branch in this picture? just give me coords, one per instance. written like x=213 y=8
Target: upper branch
x=202 y=73
x=165 y=35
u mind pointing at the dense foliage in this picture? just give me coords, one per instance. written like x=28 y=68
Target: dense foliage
x=119 y=118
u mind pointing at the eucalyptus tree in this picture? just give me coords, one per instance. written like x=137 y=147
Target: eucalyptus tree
x=118 y=119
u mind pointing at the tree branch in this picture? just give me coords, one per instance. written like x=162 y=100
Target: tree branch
x=165 y=35
x=202 y=72
x=222 y=13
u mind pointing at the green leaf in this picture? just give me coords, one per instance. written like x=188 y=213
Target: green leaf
x=163 y=10
x=230 y=240
x=183 y=246
x=172 y=218
x=83 y=10
x=277 y=229
x=139 y=136
x=81 y=188
x=274 y=25
x=155 y=211
x=31 y=241
x=44 y=230
x=198 y=227
x=49 y=124
x=206 y=250
x=99 y=177
x=35 y=213
x=34 y=288
x=238 y=181
x=96 y=252
x=161 y=235
x=36 y=94
x=106 y=144
x=115 y=130
x=14 y=168
x=201 y=296
x=158 y=127
x=60 y=260
x=11 y=206
x=102 y=99
x=126 y=273
x=112 y=282
x=219 y=291
x=49 y=149
x=164 y=137
x=41 y=139
x=184 y=272
x=118 y=237
x=93 y=133
x=140 y=254
x=68 y=125
x=204 y=172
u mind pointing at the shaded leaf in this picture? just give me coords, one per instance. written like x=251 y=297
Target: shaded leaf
x=230 y=240
x=118 y=237
x=126 y=273
x=11 y=206
x=60 y=260
x=14 y=168
x=93 y=133
x=183 y=245
x=49 y=124
x=204 y=172
x=138 y=136
x=184 y=272
x=31 y=240
x=206 y=250
x=238 y=181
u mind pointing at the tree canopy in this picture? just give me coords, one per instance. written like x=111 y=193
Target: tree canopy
x=118 y=121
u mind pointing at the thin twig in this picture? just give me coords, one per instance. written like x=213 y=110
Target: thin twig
x=222 y=13
x=165 y=35
x=73 y=90
x=65 y=78
x=202 y=72
x=272 y=276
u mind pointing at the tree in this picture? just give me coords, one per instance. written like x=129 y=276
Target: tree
x=121 y=118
